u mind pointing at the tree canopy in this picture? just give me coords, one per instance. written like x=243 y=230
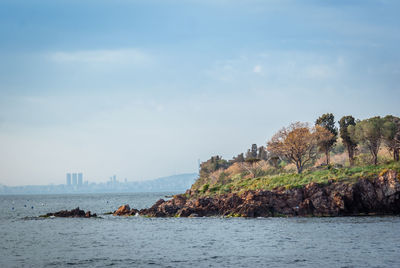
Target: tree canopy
x=297 y=143
x=345 y=122
x=369 y=132
x=327 y=121
x=391 y=135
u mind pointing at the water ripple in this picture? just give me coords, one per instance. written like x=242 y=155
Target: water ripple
x=179 y=242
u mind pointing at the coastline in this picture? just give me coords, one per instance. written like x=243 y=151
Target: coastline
x=378 y=196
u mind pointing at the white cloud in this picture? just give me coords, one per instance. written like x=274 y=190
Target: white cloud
x=99 y=56
x=257 y=69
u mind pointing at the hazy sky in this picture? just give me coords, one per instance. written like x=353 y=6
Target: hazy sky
x=143 y=89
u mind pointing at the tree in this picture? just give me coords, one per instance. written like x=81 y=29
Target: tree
x=238 y=159
x=327 y=121
x=391 y=135
x=262 y=153
x=348 y=142
x=369 y=133
x=274 y=160
x=251 y=165
x=213 y=164
x=296 y=143
x=252 y=152
x=324 y=138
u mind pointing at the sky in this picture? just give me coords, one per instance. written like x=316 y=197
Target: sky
x=144 y=89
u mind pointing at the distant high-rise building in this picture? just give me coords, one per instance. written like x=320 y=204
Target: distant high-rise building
x=80 y=178
x=74 y=179
x=68 y=179
x=114 y=178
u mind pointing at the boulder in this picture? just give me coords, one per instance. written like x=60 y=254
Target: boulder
x=125 y=210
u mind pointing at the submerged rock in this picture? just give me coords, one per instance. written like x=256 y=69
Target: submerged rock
x=74 y=213
x=365 y=197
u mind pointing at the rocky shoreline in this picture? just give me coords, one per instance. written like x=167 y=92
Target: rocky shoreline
x=379 y=196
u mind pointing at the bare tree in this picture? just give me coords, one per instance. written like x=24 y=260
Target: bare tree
x=252 y=166
x=298 y=143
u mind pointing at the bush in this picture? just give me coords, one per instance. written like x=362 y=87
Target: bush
x=205 y=188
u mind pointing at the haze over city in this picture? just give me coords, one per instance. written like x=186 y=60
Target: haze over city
x=145 y=89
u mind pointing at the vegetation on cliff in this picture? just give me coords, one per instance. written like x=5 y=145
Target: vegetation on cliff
x=240 y=182
x=316 y=153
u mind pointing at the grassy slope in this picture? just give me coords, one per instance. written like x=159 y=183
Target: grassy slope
x=241 y=181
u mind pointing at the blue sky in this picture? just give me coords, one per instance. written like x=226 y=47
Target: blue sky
x=143 y=89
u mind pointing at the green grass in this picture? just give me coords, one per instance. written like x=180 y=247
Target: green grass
x=239 y=182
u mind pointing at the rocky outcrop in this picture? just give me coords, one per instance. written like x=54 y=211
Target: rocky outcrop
x=125 y=210
x=74 y=213
x=365 y=197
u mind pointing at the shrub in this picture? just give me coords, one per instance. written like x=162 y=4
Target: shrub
x=204 y=188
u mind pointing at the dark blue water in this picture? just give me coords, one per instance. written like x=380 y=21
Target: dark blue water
x=27 y=241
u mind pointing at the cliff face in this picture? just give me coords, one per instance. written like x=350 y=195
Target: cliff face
x=378 y=196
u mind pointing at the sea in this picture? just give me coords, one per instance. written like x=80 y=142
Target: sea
x=30 y=241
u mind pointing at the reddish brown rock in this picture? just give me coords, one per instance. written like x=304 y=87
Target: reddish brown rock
x=125 y=210
x=164 y=208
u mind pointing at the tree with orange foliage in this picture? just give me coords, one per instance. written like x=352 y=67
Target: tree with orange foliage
x=298 y=143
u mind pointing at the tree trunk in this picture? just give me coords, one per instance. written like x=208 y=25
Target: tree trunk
x=299 y=170
x=299 y=167
x=351 y=155
x=327 y=157
x=396 y=154
x=375 y=158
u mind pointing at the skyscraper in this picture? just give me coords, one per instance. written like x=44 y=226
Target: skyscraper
x=80 y=178
x=74 y=179
x=68 y=179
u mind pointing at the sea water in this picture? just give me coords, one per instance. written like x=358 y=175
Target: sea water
x=29 y=241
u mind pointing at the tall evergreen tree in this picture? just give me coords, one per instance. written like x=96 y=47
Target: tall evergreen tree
x=391 y=135
x=327 y=121
x=262 y=153
x=369 y=133
x=348 y=142
x=238 y=159
x=254 y=150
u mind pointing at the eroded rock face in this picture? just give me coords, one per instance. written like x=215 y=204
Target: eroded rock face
x=378 y=196
x=74 y=213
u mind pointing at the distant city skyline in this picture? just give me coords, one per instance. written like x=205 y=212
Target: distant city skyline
x=179 y=182
x=144 y=89
x=73 y=179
